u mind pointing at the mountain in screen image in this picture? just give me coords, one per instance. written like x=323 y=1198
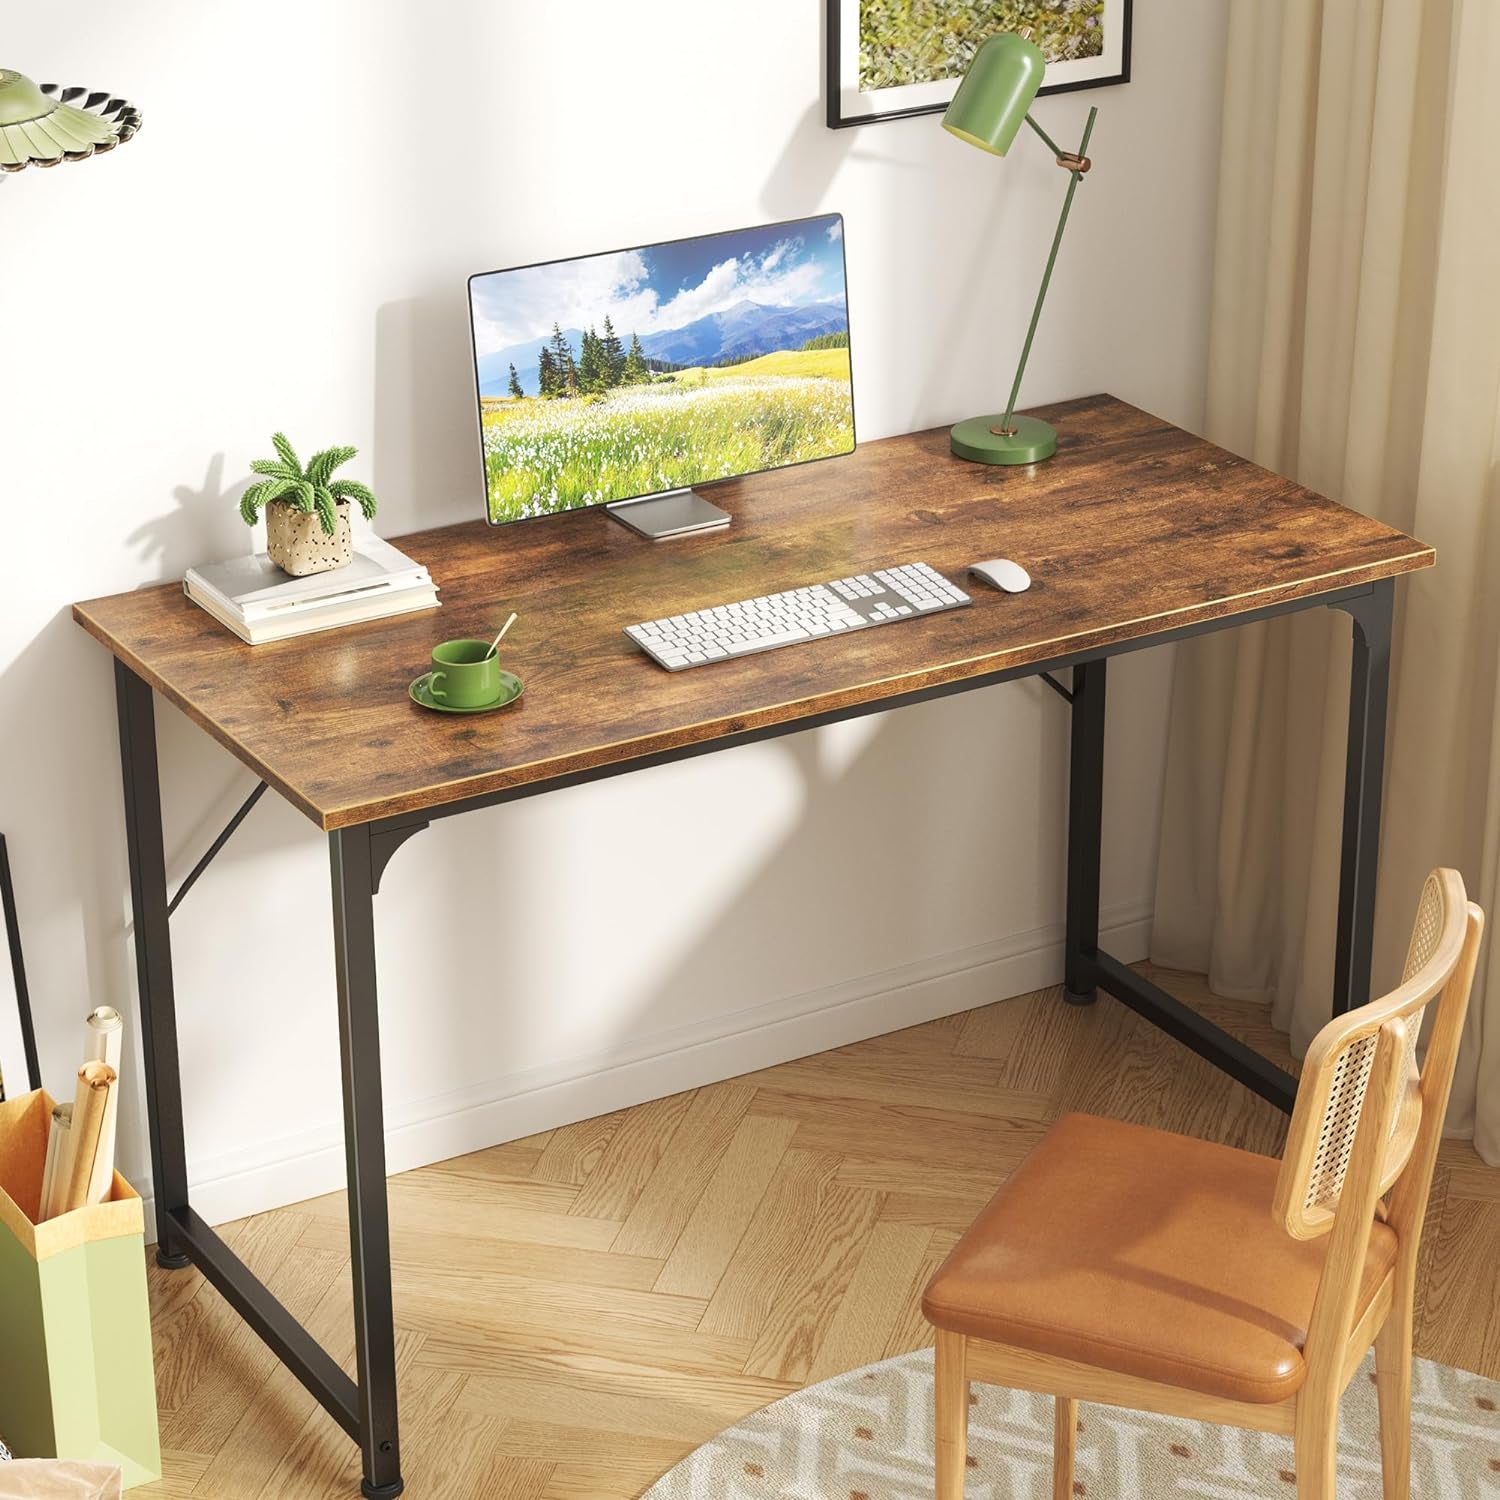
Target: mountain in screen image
x=743 y=331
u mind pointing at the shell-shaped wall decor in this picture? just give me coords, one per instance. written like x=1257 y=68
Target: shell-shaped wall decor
x=41 y=125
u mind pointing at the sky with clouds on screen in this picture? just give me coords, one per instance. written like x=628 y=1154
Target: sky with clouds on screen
x=663 y=286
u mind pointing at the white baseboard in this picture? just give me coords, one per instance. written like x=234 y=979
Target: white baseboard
x=271 y=1174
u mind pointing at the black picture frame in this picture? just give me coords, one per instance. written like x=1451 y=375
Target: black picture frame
x=834 y=71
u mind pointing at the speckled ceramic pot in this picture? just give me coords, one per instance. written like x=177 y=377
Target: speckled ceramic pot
x=297 y=543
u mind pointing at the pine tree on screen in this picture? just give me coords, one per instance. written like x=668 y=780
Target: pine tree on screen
x=546 y=373
x=591 y=363
x=515 y=384
x=564 y=364
x=613 y=354
x=635 y=363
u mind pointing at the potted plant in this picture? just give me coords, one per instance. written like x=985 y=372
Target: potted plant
x=307 y=510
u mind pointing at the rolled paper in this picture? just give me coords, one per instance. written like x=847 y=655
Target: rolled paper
x=96 y=1081
x=59 y=1162
x=104 y=1030
x=102 y=1178
x=56 y=1126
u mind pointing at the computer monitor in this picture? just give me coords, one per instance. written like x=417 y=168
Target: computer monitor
x=626 y=379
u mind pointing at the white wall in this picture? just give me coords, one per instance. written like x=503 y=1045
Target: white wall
x=286 y=245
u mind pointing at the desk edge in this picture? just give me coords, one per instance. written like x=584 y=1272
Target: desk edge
x=349 y=815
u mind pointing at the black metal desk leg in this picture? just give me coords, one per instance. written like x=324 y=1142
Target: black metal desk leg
x=1369 y=683
x=1085 y=831
x=153 y=956
x=364 y=1150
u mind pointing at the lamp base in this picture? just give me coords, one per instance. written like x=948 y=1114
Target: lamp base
x=1029 y=443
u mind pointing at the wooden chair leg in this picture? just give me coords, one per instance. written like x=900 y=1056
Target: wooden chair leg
x=1064 y=1439
x=1317 y=1442
x=1393 y=1388
x=951 y=1412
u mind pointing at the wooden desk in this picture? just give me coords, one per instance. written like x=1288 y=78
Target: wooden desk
x=1135 y=534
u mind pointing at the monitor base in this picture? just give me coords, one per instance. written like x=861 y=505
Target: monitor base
x=673 y=513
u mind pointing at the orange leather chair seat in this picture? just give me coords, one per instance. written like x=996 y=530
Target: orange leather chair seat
x=1144 y=1253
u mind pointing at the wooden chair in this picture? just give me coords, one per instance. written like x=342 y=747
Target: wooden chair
x=1142 y=1269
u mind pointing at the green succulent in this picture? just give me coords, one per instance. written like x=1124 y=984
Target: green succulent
x=313 y=489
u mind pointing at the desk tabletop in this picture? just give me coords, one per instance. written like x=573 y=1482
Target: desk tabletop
x=1135 y=528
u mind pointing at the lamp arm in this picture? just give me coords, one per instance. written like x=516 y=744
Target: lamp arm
x=1047 y=140
x=1075 y=176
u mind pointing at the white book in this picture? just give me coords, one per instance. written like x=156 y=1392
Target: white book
x=329 y=616
x=251 y=588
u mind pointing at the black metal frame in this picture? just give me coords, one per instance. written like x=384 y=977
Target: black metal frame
x=366 y=1409
x=191 y=879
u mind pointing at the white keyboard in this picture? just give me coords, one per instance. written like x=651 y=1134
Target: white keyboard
x=879 y=597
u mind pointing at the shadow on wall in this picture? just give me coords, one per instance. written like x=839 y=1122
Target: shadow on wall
x=426 y=451
x=61 y=789
x=63 y=778
x=204 y=526
x=910 y=213
x=60 y=759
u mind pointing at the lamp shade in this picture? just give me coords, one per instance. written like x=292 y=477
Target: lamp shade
x=44 y=125
x=996 y=92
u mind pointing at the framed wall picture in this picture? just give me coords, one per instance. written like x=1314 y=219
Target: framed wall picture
x=888 y=59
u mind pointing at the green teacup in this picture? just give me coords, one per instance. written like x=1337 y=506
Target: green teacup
x=465 y=674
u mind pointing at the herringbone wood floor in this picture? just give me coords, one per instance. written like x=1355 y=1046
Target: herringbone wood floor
x=578 y=1310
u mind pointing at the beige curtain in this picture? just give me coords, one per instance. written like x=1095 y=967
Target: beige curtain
x=1355 y=345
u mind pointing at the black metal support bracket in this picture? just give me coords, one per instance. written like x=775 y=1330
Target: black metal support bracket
x=1167 y=1013
x=1057 y=687
x=223 y=838
x=18 y=970
x=385 y=840
x=291 y=1343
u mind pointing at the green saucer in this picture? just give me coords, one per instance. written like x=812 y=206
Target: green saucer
x=511 y=688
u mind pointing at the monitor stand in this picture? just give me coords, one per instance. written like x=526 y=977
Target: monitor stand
x=672 y=513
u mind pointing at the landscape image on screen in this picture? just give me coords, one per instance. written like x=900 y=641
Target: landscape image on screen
x=918 y=41
x=626 y=374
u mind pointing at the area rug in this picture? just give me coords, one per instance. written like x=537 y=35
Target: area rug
x=868 y=1436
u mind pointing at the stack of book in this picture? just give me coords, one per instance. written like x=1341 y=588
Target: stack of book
x=257 y=601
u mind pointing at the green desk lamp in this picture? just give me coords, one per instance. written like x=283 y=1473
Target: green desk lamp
x=987 y=111
x=42 y=126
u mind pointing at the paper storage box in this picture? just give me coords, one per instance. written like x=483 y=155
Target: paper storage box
x=76 y=1377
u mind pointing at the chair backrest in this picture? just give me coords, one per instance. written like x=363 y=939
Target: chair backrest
x=1337 y=1070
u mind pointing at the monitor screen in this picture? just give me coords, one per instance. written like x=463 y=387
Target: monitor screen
x=659 y=368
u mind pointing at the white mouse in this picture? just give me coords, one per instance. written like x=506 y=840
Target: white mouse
x=1002 y=573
